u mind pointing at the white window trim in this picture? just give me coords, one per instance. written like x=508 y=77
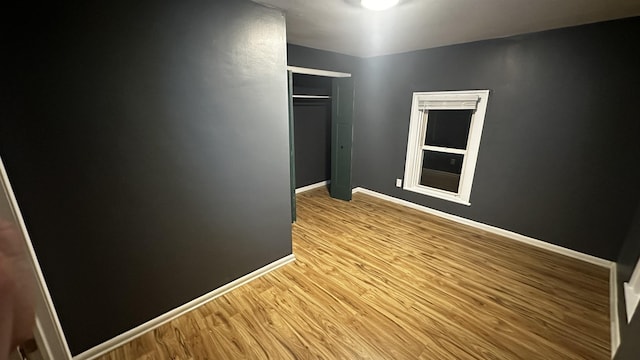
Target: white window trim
x=421 y=103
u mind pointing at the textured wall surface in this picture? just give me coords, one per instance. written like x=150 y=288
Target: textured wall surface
x=144 y=180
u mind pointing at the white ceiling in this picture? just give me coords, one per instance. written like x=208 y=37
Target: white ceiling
x=342 y=26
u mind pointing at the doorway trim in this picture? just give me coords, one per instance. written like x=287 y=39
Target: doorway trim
x=48 y=330
x=317 y=72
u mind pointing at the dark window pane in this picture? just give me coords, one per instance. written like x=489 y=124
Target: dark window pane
x=441 y=170
x=448 y=128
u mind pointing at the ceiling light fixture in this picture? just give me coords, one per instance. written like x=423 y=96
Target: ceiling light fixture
x=379 y=5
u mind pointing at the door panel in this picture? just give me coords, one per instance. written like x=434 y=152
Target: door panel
x=342 y=138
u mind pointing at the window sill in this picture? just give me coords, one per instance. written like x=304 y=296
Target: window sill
x=437 y=194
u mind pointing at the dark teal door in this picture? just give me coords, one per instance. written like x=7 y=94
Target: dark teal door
x=341 y=138
x=292 y=150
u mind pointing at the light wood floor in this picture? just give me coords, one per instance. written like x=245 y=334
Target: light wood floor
x=375 y=280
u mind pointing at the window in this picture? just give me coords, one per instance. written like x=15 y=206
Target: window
x=444 y=138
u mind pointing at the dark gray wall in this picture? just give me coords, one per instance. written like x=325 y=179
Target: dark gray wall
x=144 y=180
x=627 y=259
x=560 y=131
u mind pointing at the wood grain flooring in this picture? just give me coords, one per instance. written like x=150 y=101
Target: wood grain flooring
x=375 y=280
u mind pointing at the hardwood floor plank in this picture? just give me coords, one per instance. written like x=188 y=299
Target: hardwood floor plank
x=376 y=280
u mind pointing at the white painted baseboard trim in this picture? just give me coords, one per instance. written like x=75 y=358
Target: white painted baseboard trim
x=493 y=229
x=613 y=284
x=313 y=186
x=613 y=304
x=48 y=330
x=165 y=318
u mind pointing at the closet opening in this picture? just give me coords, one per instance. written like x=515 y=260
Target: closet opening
x=312 y=130
x=320 y=121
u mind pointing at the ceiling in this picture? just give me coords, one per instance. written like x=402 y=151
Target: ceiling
x=343 y=26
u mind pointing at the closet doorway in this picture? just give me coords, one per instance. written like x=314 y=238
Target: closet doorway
x=320 y=131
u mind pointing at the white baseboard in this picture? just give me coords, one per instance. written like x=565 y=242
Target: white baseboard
x=613 y=316
x=613 y=284
x=165 y=318
x=312 y=186
x=493 y=229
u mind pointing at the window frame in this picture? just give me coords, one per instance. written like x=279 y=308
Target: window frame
x=416 y=141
